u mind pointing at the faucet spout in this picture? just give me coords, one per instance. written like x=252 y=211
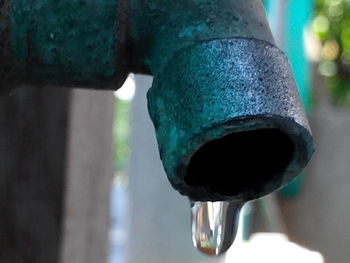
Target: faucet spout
x=228 y=118
x=229 y=121
x=224 y=103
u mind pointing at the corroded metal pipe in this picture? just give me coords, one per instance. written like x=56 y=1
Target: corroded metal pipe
x=228 y=118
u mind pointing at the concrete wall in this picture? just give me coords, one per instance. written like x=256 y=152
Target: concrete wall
x=319 y=217
x=89 y=174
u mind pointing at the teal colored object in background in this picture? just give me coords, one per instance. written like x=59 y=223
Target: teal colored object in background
x=297 y=15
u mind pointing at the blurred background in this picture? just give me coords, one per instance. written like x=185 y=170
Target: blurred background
x=307 y=221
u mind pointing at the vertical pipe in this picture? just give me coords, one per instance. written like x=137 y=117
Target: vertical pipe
x=89 y=178
x=33 y=133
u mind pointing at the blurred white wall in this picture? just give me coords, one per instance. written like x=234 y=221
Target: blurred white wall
x=159 y=217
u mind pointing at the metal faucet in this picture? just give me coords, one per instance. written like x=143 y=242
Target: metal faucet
x=228 y=118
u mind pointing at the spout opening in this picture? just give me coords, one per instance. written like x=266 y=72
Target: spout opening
x=240 y=162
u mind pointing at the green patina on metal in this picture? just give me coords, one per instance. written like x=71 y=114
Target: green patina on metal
x=67 y=39
x=77 y=41
x=224 y=86
x=160 y=28
x=216 y=73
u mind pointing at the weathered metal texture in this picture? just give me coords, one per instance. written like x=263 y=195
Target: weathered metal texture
x=160 y=28
x=70 y=42
x=95 y=43
x=221 y=87
x=217 y=72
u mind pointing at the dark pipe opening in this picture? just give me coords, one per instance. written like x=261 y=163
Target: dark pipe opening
x=240 y=161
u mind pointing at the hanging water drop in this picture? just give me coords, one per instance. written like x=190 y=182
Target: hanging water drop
x=214 y=225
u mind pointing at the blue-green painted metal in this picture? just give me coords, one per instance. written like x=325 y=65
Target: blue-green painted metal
x=220 y=87
x=215 y=65
x=68 y=42
x=161 y=28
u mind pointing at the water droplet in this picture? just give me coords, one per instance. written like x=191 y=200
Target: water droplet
x=214 y=225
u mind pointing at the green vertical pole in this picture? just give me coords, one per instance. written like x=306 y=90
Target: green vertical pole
x=297 y=15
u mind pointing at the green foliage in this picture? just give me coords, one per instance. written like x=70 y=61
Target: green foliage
x=331 y=24
x=121 y=134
